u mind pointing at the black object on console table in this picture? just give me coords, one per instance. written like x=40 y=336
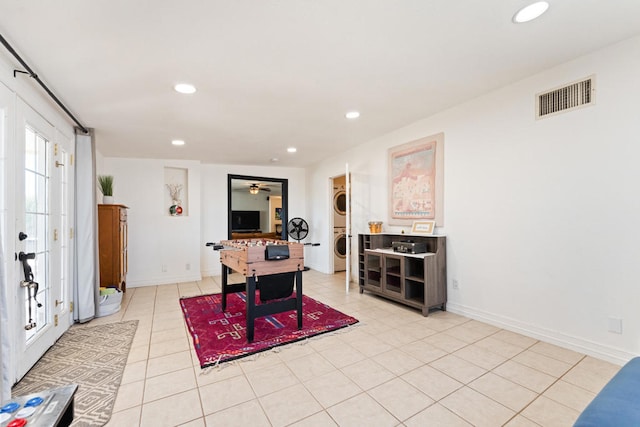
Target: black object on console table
x=415 y=279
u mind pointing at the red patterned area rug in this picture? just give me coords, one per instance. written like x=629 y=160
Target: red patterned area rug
x=220 y=337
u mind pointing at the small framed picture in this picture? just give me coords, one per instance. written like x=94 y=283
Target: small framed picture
x=423 y=227
x=278 y=214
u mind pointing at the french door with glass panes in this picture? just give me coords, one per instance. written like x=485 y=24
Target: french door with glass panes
x=43 y=190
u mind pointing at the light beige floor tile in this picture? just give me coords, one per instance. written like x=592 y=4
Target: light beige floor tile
x=476 y=408
x=499 y=347
x=321 y=419
x=245 y=414
x=587 y=378
x=332 y=388
x=431 y=382
x=467 y=334
x=166 y=385
x=520 y=421
x=168 y=347
x=437 y=416
x=480 y=356
x=225 y=394
x=423 y=351
x=195 y=423
x=397 y=336
x=169 y=363
x=546 y=364
x=440 y=324
x=127 y=418
x=369 y=345
x=214 y=374
x=525 y=376
x=259 y=361
x=129 y=395
x=138 y=353
x=368 y=374
x=342 y=355
x=397 y=361
x=172 y=411
x=503 y=391
x=390 y=341
x=547 y=412
x=271 y=378
x=515 y=339
x=178 y=333
x=310 y=366
x=362 y=410
x=400 y=398
x=133 y=372
x=570 y=395
x=295 y=350
x=558 y=353
x=459 y=369
x=289 y=405
x=445 y=342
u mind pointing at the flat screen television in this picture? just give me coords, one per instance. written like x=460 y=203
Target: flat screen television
x=245 y=221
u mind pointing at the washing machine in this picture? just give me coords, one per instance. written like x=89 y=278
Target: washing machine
x=339 y=249
x=339 y=206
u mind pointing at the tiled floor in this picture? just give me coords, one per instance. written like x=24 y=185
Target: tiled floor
x=395 y=368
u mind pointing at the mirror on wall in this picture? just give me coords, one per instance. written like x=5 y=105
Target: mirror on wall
x=257 y=207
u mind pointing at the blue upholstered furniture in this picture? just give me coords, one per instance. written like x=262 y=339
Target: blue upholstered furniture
x=618 y=403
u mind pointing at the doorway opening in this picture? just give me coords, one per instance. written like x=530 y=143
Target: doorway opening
x=340 y=201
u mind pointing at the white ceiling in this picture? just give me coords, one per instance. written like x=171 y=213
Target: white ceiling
x=277 y=73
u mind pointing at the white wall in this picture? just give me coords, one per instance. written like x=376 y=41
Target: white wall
x=162 y=248
x=541 y=217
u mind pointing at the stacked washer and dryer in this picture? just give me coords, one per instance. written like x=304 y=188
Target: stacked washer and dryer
x=339 y=224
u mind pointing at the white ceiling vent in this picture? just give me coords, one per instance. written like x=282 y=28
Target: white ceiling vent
x=566 y=98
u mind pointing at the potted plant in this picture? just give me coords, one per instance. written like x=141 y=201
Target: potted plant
x=106 y=187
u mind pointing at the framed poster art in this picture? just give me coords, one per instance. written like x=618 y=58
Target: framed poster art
x=416 y=181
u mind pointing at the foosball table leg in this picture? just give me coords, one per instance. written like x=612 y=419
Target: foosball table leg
x=251 y=303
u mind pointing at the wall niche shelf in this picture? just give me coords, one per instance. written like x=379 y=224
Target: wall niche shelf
x=176 y=178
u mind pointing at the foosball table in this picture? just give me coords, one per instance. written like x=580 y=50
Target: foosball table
x=268 y=265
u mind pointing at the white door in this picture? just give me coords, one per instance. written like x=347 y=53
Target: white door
x=43 y=176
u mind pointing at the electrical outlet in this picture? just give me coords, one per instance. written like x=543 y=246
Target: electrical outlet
x=164 y=268
x=615 y=325
x=187 y=266
x=456 y=285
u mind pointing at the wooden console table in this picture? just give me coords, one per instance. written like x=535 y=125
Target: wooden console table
x=247 y=257
x=417 y=280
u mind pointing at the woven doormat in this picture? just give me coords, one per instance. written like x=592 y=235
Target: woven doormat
x=93 y=357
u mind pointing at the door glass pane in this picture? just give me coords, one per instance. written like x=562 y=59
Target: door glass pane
x=36 y=179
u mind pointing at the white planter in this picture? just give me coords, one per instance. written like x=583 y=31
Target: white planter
x=107 y=200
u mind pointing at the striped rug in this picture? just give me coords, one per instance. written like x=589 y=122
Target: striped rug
x=93 y=357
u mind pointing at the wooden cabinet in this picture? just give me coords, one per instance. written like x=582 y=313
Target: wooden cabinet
x=112 y=245
x=417 y=280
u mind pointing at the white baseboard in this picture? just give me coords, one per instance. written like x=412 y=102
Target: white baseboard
x=610 y=354
x=162 y=280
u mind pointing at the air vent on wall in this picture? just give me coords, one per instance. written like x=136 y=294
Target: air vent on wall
x=566 y=98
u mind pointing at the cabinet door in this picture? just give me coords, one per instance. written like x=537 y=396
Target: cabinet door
x=393 y=273
x=373 y=270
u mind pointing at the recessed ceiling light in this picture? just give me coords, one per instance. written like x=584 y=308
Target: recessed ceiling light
x=292 y=149
x=352 y=115
x=185 y=88
x=177 y=142
x=274 y=159
x=531 y=12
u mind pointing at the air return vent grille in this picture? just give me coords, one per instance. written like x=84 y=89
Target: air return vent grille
x=566 y=98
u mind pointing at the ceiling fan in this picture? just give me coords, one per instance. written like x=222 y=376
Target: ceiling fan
x=256 y=188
